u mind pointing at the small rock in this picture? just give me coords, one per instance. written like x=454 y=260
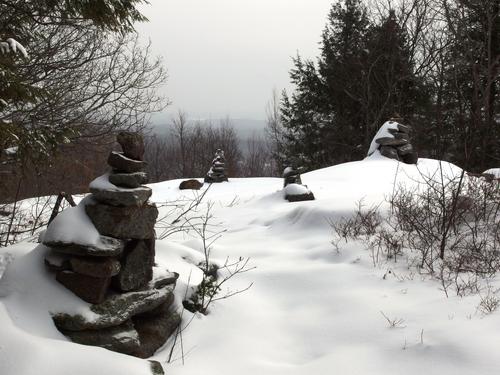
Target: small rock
x=57 y=262
x=411 y=158
x=132 y=144
x=107 y=247
x=190 y=185
x=123 y=222
x=117 y=197
x=163 y=280
x=122 y=339
x=90 y=289
x=96 y=267
x=156 y=368
x=136 y=265
x=119 y=162
x=128 y=180
x=115 y=310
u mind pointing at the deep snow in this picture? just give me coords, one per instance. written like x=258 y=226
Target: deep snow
x=310 y=310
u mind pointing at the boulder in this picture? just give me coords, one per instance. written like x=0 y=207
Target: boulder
x=132 y=144
x=119 y=162
x=95 y=267
x=190 y=185
x=122 y=197
x=115 y=310
x=90 y=289
x=107 y=247
x=405 y=149
x=411 y=158
x=136 y=265
x=128 y=180
x=123 y=222
x=122 y=339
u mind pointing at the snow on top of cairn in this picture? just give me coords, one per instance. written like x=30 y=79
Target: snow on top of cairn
x=494 y=171
x=383 y=132
x=73 y=226
x=296 y=189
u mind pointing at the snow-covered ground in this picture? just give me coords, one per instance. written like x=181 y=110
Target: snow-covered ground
x=311 y=310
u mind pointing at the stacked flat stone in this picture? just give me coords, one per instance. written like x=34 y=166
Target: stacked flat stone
x=131 y=309
x=295 y=191
x=393 y=141
x=217 y=171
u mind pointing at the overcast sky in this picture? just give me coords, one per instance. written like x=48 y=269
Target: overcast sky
x=224 y=57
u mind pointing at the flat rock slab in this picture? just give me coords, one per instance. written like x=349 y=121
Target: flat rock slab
x=123 y=222
x=128 y=180
x=96 y=267
x=107 y=247
x=119 y=162
x=136 y=265
x=121 y=196
x=387 y=141
x=132 y=144
x=299 y=197
x=90 y=289
x=167 y=278
x=122 y=339
x=115 y=310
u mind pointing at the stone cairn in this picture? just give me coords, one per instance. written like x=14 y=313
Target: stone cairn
x=393 y=141
x=217 y=170
x=295 y=191
x=131 y=308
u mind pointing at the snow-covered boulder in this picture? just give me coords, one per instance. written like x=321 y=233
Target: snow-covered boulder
x=393 y=141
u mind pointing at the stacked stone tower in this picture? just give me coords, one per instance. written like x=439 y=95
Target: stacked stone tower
x=295 y=191
x=217 y=172
x=106 y=257
x=393 y=141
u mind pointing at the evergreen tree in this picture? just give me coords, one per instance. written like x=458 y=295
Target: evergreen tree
x=363 y=76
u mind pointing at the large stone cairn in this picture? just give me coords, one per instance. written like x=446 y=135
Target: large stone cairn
x=295 y=191
x=393 y=141
x=217 y=170
x=131 y=310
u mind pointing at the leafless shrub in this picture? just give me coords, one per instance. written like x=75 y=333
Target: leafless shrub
x=393 y=322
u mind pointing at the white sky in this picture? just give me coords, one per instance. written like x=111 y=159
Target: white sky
x=224 y=57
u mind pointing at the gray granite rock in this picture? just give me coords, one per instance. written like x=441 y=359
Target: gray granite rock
x=123 y=222
x=299 y=197
x=57 y=262
x=95 y=267
x=132 y=144
x=115 y=310
x=128 y=180
x=389 y=152
x=107 y=247
x=122 y=339
x=387 y=141
x=116 y=197
x=119 y=162
x=156 y=368
x=136 y=265
x=90 y=289
x=190 y=185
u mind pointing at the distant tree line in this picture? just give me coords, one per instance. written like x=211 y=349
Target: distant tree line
x=435 y=63
x=186 y=149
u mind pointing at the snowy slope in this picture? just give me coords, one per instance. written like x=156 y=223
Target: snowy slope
x=310 y=310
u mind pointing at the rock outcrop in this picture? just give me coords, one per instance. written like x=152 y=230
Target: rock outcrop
x=393 y=141
x=103 y=251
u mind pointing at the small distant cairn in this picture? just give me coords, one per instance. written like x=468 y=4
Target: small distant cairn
x=217 y=172
x=295 y=191
x=393 y=141
x=131 y=301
